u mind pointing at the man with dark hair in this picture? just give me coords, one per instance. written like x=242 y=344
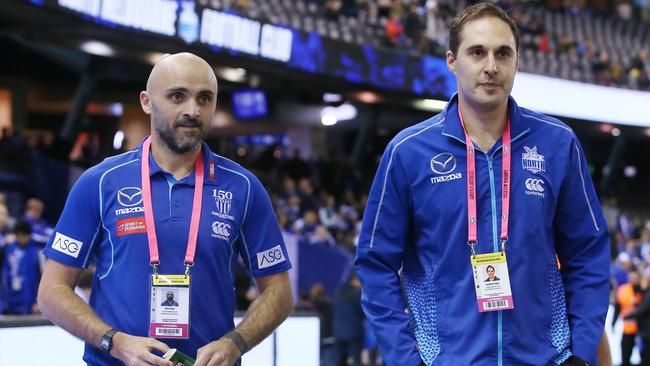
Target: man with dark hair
x=169 y=215
x=485 y=182
x=491 y=274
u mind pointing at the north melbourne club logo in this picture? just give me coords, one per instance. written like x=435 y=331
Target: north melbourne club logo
x=223 y=201
x=532 y=161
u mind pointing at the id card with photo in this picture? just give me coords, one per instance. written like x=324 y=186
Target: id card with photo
x=170 y=306
x=492 y=282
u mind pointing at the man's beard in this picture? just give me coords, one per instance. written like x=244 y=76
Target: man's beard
x=186 y=142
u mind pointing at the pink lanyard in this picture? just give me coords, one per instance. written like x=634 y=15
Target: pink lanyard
x=472 y=224
x=154 y=258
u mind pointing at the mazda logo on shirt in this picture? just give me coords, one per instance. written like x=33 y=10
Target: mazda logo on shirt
x=129 y=196
x=443 y=163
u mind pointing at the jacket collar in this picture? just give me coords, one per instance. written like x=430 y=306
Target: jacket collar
x=453 y=129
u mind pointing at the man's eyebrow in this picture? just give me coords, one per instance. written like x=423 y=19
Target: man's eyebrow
x=481 y=47
x=176 y=89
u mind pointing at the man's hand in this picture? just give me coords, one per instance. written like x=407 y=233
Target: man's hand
x=136 y=351
x=223 y=352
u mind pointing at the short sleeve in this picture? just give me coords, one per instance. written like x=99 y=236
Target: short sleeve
x=78 y=225
x=263 y=247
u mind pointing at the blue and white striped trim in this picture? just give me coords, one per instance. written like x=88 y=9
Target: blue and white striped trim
x=390 y=162
x=101 y=214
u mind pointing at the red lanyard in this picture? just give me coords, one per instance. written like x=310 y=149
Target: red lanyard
x=472 y=224
x=154 y=258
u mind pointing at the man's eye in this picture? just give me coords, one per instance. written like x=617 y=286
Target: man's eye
x=477 y=52
x=176 y=97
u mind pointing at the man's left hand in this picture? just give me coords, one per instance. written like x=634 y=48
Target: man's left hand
x=218 y=353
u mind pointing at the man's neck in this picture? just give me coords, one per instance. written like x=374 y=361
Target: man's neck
x=178 y=165
x=484 y=126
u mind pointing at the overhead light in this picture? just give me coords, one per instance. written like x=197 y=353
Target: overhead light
x=430 y=105
x=153 y=57
x=118 y=140
x=629 y=171
x=232 y=74
x=344 y=112
x=616 y=132
x=368 y=97
x=606 y=128
x=328 y=119
x=332 y=98
x=97 y=48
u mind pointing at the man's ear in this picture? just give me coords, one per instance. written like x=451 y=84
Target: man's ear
x=145 y=102
x=451 y=59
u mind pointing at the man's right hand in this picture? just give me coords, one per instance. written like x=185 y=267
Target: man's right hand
x=136 y=351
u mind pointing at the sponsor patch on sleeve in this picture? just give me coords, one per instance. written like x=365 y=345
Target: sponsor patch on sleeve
x=67 y=245
x=132 y=225
x=270 y=257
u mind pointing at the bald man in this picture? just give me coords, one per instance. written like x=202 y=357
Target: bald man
x=169 y=216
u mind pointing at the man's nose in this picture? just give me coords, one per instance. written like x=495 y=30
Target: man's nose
x=192 y=109
x=491 y=66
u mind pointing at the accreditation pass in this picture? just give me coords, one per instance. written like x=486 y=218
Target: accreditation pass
x=492 y=282
x=170 y=306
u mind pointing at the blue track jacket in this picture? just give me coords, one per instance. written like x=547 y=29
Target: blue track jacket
x=414 y=262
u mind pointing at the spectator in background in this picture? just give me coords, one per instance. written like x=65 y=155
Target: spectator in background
x=628 y=297
x=5 y=227
x=413 y=27
x=323 y=307
x=41 y=230
x=348 y=321
x=642 y=317
x=21 y=272
x=621 y=268
x=394 y=30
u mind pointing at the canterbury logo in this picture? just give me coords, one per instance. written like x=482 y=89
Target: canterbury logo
x=443 y=163
x=220 y=228
x=129 y=196
x=535 y=185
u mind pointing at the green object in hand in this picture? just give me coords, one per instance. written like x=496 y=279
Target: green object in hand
x=178 y=358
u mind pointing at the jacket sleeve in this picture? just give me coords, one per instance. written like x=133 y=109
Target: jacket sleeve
x=582 y=244
x=379 y=257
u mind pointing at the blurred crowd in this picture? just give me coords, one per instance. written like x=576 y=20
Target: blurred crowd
x=21 y=260
x=630 y=278
x=421 y=26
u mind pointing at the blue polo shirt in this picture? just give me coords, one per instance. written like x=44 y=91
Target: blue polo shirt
x=103 y=222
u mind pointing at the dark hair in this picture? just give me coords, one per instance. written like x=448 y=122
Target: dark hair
x=474 y=12
x=23 y=227
x=488 y=267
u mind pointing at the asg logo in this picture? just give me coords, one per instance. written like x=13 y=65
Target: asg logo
x=67 y=245
x=221 y=230
x=270 y=257
x=129 y=196
x=443 y=163
x=535 y=185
